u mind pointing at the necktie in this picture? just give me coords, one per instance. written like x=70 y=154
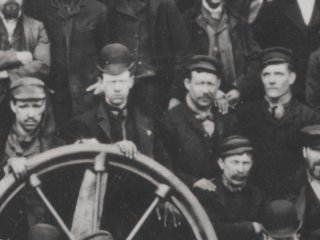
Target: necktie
x=277 y=111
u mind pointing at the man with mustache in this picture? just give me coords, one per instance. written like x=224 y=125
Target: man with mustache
x=28 y=135
x=24 y=48
x=273 y=125
x=308 y=201
x=236 y=206
x=192 y=130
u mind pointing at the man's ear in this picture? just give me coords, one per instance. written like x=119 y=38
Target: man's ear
x=187 y=83
x=305 y=152
x=221 y=163
x=292 y=77
x=13 y=106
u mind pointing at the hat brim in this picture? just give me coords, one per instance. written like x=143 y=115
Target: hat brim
x=237 y=151
x=284 y=233
x=115 y=68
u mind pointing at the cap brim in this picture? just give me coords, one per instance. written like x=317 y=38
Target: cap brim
x=237 y=151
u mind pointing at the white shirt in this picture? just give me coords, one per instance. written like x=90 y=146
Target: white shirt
x=315 y=185
x=306 y=8
x=10 y=26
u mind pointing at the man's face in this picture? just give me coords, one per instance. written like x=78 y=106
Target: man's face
x=213 y=3
x=117 y=88
x=28 y=113
x=202 y=88
x=313 y=160
x=294 y=237
x=277 y=79
x=236 y=168
x=11 y=8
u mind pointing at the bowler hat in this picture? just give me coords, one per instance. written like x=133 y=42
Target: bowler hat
x=115 y=59
x=281 y=219
x=275 y=55
x=235 y=145
x=206 y=63
x=311 y=136
x=100 y=235
x=28 y=88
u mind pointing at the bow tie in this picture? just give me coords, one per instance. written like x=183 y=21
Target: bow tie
x=204 y=116
x=120 y=113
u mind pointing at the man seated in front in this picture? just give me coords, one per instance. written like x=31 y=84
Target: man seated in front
x=27 y=135
x=235 y=207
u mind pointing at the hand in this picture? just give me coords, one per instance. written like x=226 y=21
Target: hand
x=205 y=184
x=168 y=211
x=96 y=88
x=221 y=102
x=87 y=140
x=24 y=57
x=233 y=97
x=173 y=102
x=257 y=227
x=128 y=148
x=18 y=165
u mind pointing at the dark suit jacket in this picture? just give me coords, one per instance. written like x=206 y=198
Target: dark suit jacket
x=228 y=223
x=280 y=23
x=193 y=154
x=278 y=169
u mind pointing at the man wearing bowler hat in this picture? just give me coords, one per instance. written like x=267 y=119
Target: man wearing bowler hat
x=308 y=200
x=235 y=207
x=116 y=121
x=281 y=222
x=27 y=136
x=192 y=130
x=273 y=125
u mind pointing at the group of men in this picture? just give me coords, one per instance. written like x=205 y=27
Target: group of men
x=236 y=131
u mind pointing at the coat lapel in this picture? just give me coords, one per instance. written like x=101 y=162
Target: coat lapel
x=315 y=19
x=292 y=11
x=104 y=122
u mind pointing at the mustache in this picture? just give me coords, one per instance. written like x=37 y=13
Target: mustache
x=239 y=177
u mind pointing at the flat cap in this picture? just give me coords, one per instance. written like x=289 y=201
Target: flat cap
x=206 y=63
x=235 y=145
x=310 y=136
x=115 y=59
x=275 y=55
x=28 y=88
x=280 y=219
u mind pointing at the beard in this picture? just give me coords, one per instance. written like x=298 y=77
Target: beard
x=11 y=9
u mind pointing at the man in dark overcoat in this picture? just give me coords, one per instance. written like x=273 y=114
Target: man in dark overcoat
x=77 y=32
x=236 y=206
x=192 y=130
x=308 y=200
x=216 y=29
x=273 y=126
x=293 y=24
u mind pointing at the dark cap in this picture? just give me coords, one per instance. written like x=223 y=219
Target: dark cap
x=28 y=88
x=275 y=55
x=235 y=145
x=206 y=63
x=100 y=235
x=115 y=59
x=281 y=219
x=311 y=136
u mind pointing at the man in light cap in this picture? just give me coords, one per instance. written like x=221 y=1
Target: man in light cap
x=308 y=200
x=192 y=130
x=280 y=221
x=235 y=207
x=27 y=136
x=273 y=125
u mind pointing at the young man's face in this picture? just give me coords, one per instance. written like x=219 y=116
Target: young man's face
x=11 y=8
x=313 y=161
x=277 y=79
x=236 y=168
x=117 y=88
x=202 y=88
x=294 y=237
x=28 y=113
